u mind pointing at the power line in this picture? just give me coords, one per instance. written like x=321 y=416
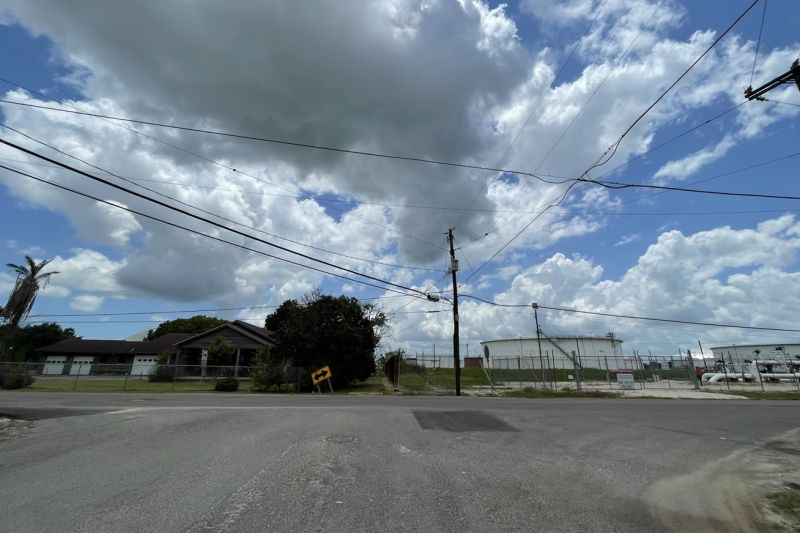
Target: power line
x=520 y=232
x=283 y=142
x=779 y=102
x=221 y=217
x=635 y=317
x=541 y=98
x=758 y=43
x=615 y=145
x=212 y=161
x=675 y=138
x=619 y=185
x=197 y=232
x=202 y=219
x=186 y=311
x=599 y=86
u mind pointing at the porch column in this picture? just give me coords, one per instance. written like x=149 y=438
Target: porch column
x=236 y=368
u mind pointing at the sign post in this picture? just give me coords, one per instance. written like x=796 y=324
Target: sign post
x=203 y=361
x=323 y=374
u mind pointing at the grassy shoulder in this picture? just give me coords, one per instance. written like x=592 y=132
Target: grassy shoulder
x=372 y=385
x=787 y=504
x=538 y=393
x=415 y=379
x=92 y=384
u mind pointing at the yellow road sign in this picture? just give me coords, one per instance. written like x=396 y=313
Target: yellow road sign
x=318 y=376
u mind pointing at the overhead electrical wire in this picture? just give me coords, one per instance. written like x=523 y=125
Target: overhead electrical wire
x=620 y=185
x=220 y=164
x=221 y=217
x=613 y=148
x=634 y=317
x=409 y=206
x=675 y=138
x=758 y=43
x=197 y=232
x=282 y=142
x=535 y=107
x=609 y=153
x=599 y=86
x=186 y=311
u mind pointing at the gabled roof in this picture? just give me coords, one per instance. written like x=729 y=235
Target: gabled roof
x=89 y=346
x=255 y=333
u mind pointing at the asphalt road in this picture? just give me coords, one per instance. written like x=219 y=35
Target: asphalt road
x=115 y=462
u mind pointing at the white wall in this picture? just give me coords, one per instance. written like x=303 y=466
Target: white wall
x=595 y=352
x=768 y=352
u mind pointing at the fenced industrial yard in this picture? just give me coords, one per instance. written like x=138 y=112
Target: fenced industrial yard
x=617 y=373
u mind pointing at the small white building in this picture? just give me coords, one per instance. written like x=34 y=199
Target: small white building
x=557 y=352
x=778 y=353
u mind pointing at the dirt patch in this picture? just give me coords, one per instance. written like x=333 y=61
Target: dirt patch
x=735 y=493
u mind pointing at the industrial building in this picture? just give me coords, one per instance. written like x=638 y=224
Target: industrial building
x=787 y=354
x=558 y=352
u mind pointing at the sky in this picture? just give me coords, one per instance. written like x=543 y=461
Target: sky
x=533 y=87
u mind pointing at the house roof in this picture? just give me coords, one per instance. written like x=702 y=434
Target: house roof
x=89 y=346
x=260 y=335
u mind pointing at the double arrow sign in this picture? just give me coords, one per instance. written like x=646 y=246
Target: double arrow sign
x=318 y=376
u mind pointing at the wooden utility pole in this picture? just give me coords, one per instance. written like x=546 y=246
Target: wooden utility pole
x=456 y=353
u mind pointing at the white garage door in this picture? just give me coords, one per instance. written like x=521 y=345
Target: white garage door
x=143 y=364
x=82 y=364
x=54 y=365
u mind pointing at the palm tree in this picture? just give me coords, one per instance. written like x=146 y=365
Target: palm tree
x=30 y=280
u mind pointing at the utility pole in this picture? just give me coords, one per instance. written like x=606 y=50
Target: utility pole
x=791 y=75
x=539 y=341
x=456 y=353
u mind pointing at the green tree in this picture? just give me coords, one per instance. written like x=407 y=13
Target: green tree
x=266 y=371
x=221 y=352
x=30 y=279
x=328 y=330
x=196 y=324
x=28 y=339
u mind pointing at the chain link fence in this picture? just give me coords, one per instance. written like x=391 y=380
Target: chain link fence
x=436 y=375
x=95 y=377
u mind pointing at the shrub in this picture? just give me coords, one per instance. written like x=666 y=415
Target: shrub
x=268 y=378
x=161 y=374
x=16 y=378
x=226 y=385
x=266 y=371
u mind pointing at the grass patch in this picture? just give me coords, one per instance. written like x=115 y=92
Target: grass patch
x=419 y=379
x=371 y=385
x=770 y=395
x=786 y=503
x=91 y=384
x=537 y=393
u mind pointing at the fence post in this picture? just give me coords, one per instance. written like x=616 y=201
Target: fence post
x=125 y=384
x=671 y=365
x=174 y=377
x=725 y=370
x=577 y=371
x=75 y=384
x=608 y=373
x=760 y=379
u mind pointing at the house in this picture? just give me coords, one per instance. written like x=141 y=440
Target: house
x=86 y=356
x=246 y=338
